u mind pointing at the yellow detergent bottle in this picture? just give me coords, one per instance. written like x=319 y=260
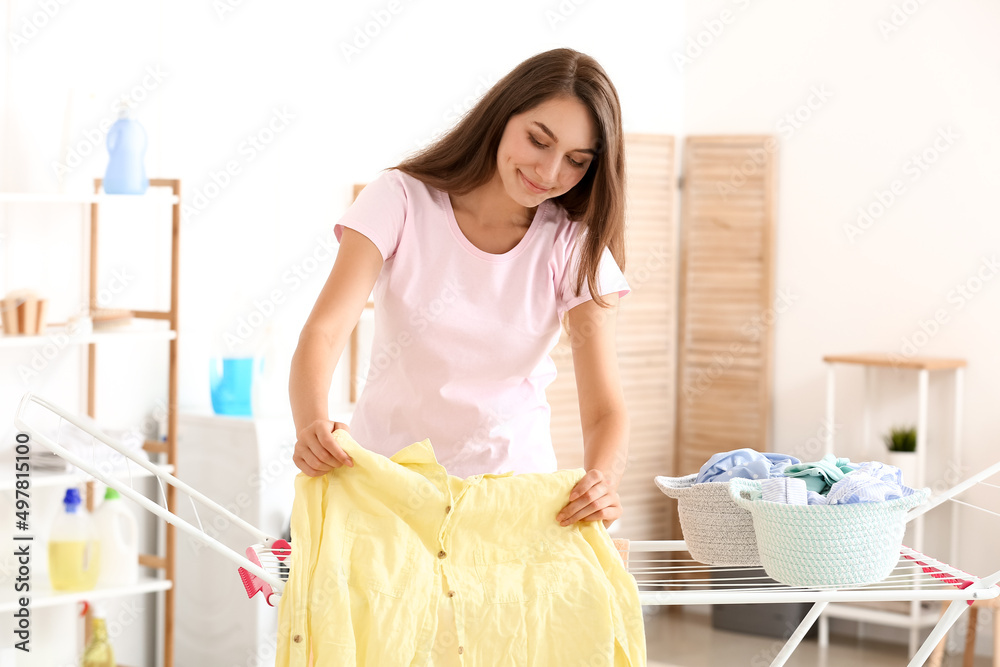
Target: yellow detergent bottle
x=74 y=549
x=99 y=652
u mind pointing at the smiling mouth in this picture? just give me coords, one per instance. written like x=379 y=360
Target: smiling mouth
x=531 y=185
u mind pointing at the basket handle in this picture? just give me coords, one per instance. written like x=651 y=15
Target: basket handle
x=744 y=491
x=915 y=499
x=674 y=487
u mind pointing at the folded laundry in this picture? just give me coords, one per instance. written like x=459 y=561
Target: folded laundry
x=746 y=462
x=789 y=490
x=820 y=475
x=871 y=482
x=882 y=471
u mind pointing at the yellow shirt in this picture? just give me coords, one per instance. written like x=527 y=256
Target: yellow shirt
x=377 y=547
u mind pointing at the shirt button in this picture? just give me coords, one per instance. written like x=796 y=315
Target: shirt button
x=297 y=639
x=451 y=594
x=448 y=508
x=441 y=554
x=460 y=649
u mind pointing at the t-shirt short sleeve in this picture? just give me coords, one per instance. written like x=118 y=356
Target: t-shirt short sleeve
x=609 y=279
x=378 y=212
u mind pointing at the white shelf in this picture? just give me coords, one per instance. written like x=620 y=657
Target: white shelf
x=153 y=194
x=915 y=619
x=95 y=337
x=42 y=595
x=43 y=478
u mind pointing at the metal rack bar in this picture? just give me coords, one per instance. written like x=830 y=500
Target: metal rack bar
x=126 y=489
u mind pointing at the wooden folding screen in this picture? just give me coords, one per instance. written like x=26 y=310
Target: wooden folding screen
x=726 y=296
x=646 y=341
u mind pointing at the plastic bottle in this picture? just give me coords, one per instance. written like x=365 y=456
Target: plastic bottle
x=126 y=172
x=232 y=381
x=74 y=550
x=119 y=538
x=99 y=652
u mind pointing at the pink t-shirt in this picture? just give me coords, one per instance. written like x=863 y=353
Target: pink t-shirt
x=460 y=353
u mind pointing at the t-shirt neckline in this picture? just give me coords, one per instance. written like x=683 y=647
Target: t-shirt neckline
x=456 y=231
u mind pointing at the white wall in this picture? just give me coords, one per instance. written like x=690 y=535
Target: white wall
x=222 y=76
x=894 y=76
x=212 y=77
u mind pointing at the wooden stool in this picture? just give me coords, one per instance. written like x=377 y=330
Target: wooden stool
x=970 y=635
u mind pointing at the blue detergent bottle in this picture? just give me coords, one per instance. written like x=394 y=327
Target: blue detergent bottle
x=126 y=173
x=232 y=381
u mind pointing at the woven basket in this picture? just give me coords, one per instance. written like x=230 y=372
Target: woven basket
x=716 y=530
x=843 y=546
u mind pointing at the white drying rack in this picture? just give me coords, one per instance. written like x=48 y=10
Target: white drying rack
x=661 y=578
x=269 y=570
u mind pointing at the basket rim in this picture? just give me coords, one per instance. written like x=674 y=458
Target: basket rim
x=675 y=487
x=918 y=497
x=666 y=484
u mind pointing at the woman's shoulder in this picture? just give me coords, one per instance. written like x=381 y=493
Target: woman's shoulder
x=399 y=176
x=398 y=186
x=411 y=185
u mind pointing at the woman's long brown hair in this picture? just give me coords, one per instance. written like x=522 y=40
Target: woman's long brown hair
x=465 y=157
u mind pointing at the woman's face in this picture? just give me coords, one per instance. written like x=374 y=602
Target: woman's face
x=551 y=146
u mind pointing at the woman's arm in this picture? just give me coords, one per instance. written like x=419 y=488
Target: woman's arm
x=603 y=415
x=321 y=343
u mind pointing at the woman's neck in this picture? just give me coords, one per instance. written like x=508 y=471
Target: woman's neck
x=490 y=206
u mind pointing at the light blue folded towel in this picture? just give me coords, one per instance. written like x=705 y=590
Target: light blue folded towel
x=746 y=463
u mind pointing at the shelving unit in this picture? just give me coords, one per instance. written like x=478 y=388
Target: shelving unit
x=166 y=191
x=49 y=478
x=94 y=337
x=917 y=617
x=42 y=594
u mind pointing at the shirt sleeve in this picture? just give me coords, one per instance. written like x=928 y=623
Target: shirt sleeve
x=378 y=212
x=609 y=279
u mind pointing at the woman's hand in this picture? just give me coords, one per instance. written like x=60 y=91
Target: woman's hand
x=316 y=450
x=593 y=498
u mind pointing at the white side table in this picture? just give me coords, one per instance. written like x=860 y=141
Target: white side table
x=923 y=365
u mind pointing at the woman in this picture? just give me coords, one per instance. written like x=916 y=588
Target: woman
x=477 y=248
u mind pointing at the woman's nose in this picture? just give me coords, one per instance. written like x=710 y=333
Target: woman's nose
x=549 y=170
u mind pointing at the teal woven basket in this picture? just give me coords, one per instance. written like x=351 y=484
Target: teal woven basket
x=839 y=546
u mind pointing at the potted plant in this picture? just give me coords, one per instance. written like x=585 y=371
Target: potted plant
x=902 y=444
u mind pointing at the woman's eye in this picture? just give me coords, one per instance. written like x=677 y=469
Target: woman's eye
x=541 y=145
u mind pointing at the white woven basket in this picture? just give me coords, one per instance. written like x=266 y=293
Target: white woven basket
x=842 y=546
x=716 y=530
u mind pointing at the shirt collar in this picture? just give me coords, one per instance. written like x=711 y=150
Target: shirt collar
x=419 y=456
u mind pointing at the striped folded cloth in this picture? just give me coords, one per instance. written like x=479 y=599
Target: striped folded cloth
x=788 y=490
